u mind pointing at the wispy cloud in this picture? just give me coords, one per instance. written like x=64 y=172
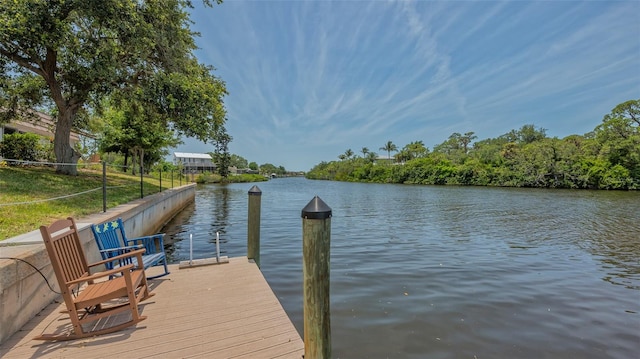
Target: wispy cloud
x=309 y=79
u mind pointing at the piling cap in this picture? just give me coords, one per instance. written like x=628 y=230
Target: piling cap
x=316 y=209
x=255 y=191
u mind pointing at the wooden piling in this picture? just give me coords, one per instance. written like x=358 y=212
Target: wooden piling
x=316 y=241
x=253 y=225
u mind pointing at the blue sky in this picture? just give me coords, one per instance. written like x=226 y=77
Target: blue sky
x=308 y=80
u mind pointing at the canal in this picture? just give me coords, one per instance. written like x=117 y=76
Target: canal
x=445 y=272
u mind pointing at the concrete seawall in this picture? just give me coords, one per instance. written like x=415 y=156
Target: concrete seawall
x=24 y=292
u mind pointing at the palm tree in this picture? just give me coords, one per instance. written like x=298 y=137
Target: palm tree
x=364 y=151
x=348 y=153
x=389 y=146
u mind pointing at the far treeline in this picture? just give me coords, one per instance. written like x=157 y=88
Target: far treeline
x=606 y=158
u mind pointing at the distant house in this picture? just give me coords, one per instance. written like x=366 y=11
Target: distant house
x=194 y=162
x=43 y=126
x=240 y=171
x=385 y=159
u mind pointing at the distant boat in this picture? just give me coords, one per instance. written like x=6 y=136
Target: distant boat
x=273 y=175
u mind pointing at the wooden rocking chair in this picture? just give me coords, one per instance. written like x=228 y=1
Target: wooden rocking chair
x=95 y=299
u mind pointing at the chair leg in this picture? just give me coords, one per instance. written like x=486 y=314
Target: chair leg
x=133 y=305
x=166 y=270
x=72 y=336
x=78 y=331
x=144 y=289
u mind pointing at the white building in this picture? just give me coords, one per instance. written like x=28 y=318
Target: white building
x=43 y=126
x=194 y=162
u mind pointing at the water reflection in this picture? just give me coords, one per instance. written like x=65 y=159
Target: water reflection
x=618 y=250
x=447 y=272
x=220 y=209
x=208 y=215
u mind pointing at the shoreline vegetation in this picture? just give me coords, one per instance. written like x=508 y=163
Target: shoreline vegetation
x=208 y=177
x=26 y=192
x=606 y=158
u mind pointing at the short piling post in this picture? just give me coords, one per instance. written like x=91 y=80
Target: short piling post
x=253 y=225
x=316 y=241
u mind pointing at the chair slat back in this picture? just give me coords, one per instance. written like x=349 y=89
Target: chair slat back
x=65 y=251
x=111 y=235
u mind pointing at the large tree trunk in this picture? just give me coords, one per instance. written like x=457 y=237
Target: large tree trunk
x=66 y=157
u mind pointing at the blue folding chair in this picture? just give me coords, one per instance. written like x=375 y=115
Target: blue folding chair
x=112 y=241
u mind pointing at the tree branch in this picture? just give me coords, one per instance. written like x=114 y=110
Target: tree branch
x=21 y=61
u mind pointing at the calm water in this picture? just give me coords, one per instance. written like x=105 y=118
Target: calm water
x=446 y=272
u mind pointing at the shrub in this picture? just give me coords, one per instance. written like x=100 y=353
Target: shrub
x=21 y=146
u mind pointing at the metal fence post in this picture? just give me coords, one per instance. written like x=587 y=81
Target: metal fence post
x=104 y=186
x=141 y=180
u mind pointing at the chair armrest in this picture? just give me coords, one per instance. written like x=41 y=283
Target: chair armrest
x=153 y=243
x=122 y=250
x=138 y=253
x=101 y=274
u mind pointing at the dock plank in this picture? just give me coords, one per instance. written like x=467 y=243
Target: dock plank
x=220 y=311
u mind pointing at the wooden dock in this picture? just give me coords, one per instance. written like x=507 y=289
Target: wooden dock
x=219 y=311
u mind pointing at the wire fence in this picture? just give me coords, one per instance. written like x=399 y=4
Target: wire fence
x=171 y=179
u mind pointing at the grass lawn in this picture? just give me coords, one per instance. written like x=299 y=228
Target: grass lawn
x=37 y=185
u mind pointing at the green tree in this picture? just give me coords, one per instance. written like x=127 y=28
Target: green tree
x=619 y=137
x=221 y=156
x=526 y=134
x=449 y=146
x=388 y=147
x=371 y=157
x=415 y=149
x=456 y=143
x=253 y=166
x=348 y=154
x=466 y=139
x=402 y=156
x=268 y=169
x=488 y=151
x=128 y=129
x=529 y=134
x=453 y=147
x=238 y=161
x=67 y=55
